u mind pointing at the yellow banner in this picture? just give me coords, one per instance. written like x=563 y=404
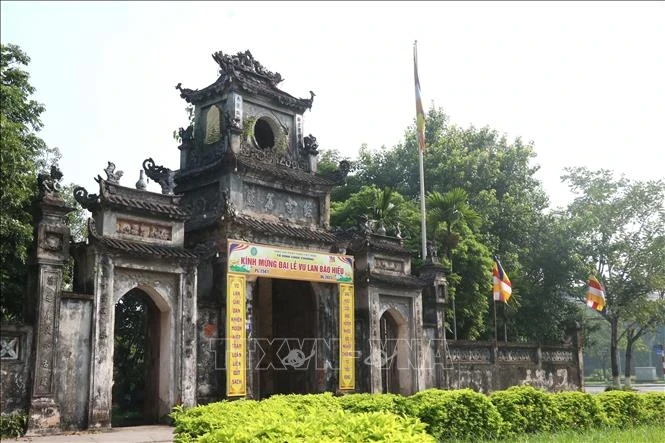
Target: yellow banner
x=236 y=349
x=273 y=262
x=346 y=338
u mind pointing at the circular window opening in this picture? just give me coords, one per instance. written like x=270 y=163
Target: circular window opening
x=263 y=134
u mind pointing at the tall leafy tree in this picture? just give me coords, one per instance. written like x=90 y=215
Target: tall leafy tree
x=499 y=180
x=621 y=228
x=453 y=225
x=20 y=153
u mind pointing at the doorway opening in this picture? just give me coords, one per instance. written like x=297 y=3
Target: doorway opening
x=389 y=354
x=287 y=331
x=136 y=357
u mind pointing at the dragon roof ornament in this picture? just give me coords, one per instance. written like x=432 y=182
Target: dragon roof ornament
x=244 y=61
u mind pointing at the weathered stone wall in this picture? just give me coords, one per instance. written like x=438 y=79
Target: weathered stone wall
x=15 y=358
x=72 y=369
x=485 y=368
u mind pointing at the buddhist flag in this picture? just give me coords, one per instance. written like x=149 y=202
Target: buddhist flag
x=595 y=294
x=420 y=114
x=502 y=286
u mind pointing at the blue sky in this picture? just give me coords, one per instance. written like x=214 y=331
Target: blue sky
x=584 y=81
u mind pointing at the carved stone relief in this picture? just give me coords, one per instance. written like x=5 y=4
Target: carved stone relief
x=44 y=349
x=206 y=200
x=308 y=209
x=9 y=347
x=269 y=204
x=213 y=132
x=52 y=242
x=558 y=356
x=476 y=355
x=290 y=206
x=385 y=264
x=143 y=229
x=294 y=207
x=126 y=279
x=516 y=355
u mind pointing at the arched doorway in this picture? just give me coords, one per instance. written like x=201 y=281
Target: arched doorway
x=389 y=334
x=139 y=327
x=287 y=325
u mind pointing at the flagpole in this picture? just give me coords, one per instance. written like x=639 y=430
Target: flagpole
x=496 y=337
x=505 y=327
x=423 y=225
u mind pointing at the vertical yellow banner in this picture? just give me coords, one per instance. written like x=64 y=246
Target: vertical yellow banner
x=236 y=351
x=346 y=338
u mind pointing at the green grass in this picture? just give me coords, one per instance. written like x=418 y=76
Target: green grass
x=639 y=434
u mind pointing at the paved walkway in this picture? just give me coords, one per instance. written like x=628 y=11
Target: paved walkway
x=130 y=434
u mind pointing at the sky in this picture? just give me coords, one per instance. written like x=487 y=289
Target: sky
x=585 y=81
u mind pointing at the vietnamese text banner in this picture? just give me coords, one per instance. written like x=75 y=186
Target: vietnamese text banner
x=346 y=338
x=275 y=262
x=235 y=334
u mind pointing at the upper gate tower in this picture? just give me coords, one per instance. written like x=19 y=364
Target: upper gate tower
x=246 y=152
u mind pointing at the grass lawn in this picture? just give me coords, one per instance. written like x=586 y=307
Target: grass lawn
x=646 y=434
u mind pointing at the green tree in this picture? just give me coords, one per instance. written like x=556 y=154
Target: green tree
x=498 y=177
x=20 y=154
x=620 y=225
x=453 y=225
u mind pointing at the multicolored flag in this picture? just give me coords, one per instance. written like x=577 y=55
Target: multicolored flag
x=420 y=114
x=595 y=294
x=502 y=287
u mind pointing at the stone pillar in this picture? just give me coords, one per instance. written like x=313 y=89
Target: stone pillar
x=101 y=367
x=189 y=342
x=51 y=251
x=435 y=294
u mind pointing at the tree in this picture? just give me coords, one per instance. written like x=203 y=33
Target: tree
x=621 y=230
x=20 y=154
x=381 y=206
x=498 y=177
x=453 y=225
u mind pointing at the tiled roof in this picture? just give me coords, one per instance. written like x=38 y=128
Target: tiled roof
x=287 y=230
x=145 y=249
x=146 y=205
x=293 y=174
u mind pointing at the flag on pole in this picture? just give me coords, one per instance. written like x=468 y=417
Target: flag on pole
x=595 y=294
x=502 y=287
x=420 y=114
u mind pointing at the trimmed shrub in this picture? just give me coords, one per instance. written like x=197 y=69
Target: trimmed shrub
x=339 y=426
x=14 y=424
x=292 y=418
x=372 y=403
x=524 y=409
x=654 y=407
x=577 y=411
x=623 y=408
x=461 y=414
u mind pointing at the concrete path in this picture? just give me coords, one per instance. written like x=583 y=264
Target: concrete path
x=130 y=434
x=642 y=387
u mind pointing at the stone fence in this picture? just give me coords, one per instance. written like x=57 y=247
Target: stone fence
x=487 y=367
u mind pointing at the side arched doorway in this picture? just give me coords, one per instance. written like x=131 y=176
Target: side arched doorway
x=141 y=324
x=395 y=352
x=287 y=316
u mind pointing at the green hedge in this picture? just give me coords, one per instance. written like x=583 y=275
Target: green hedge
x=623 y=408
x=578 y=411
x=293 y=418
x=461 y=414
x=426 y=416
x=525 y=410
x=654 y=407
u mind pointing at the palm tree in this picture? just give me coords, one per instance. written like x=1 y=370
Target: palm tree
x=384 y=212
x=447 y=213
